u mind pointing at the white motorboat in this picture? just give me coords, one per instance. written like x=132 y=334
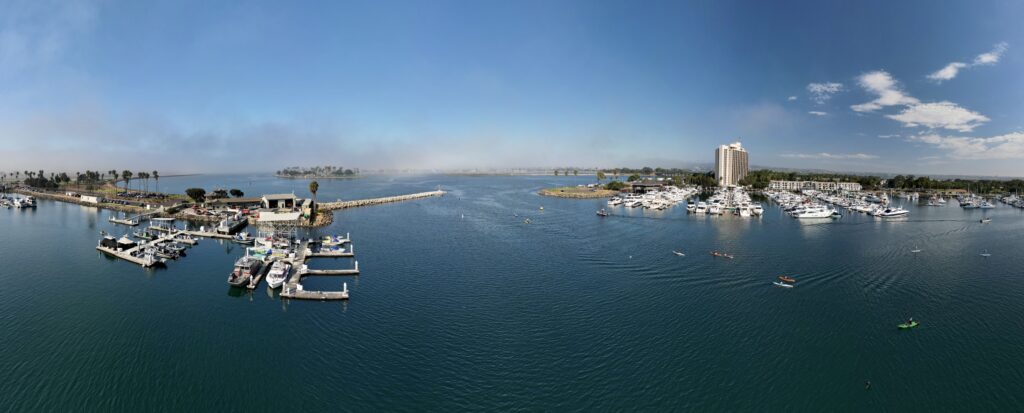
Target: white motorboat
x=616 y=201
x=814 y=211
x=702 y=207
x=278 y=273
x=891 y=212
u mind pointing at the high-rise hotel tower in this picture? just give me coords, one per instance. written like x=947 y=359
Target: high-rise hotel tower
x=731 y=164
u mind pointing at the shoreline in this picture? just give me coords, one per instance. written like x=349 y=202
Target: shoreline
x=572 y=192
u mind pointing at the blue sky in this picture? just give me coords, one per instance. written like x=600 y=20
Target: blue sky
x=226 y=86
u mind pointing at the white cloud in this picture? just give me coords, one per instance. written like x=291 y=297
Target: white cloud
x=889 y=136
x=791 y=98
x=818 y=113
x=945 y=115
x=993 y=56
x=882 y=84
x=822 y=92
x=948 y=72
x=988 y=58
x=826 y=155
x=1008 y=146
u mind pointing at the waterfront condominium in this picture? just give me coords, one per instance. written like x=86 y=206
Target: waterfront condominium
x=731 y=164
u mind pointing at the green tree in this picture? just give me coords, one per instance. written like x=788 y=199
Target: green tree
x=633 y=177
x=197 y=194
x=556 y=172
x=156 y=178
x=600 y=176
x=615 y=186
x=313 y=187
x=647 y=170
x=127 y=175
x=575 y=172
x=237 y=193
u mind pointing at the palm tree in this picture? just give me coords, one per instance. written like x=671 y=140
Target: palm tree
x=156 y=176
x=127 y=175
x=313 y=186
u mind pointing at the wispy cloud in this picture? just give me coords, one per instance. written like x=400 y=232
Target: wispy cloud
x=822 y=92
x=951 y=70
x=945 y=115
x=1008 y=146
x=791 y=98
x=881 y=83
x=889 y=136
x=818 y=113
x=826 y=155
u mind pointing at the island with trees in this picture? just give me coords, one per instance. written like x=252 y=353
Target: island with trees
x=317 y=172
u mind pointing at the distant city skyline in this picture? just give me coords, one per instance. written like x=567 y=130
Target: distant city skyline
x=196 y=87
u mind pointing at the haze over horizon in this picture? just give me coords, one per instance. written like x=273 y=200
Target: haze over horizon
x=200 y=87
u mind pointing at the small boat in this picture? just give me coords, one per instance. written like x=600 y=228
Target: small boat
x=986 y=220
x=678 y=253
x=541 y=208
x=782 y=284
x=527 y=221
x=787 y=279
x=909 y=325
x=915 y=250
x=602 y=213
x=721 y=254
x=243 y=238
x=986 y=254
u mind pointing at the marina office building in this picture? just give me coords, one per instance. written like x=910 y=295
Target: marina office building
x=731 y=164
x=815 y=185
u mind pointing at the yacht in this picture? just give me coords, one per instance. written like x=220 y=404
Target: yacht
x=616 y=201
x=891 y=212
x=245 y=268
x=702 y=207
x=26 y=202
x=814 y=211
x=278 y=273
x=986 y=205
x=757 y=210
x=691 y=207
x=715 y=209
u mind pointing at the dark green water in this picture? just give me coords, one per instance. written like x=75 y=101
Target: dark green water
x=461 y=306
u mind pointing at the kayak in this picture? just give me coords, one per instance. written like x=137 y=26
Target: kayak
x=905 y=326
x=781 y=284
x=787 y=279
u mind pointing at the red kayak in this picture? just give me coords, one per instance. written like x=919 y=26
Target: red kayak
x=787 y=279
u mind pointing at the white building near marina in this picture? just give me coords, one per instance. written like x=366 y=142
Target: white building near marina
x=731 y=164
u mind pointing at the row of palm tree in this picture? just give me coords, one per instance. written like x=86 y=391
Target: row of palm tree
x=87 y=177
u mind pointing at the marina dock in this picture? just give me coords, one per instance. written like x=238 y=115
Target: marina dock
x=127 y=254
x=293 y=288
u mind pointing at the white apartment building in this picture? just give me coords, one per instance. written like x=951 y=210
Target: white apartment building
x=731 y=164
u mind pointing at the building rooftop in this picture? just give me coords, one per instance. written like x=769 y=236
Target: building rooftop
x=271 y=197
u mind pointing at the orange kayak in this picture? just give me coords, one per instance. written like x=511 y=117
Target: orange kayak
x=787 y=279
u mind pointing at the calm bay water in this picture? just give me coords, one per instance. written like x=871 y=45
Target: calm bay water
x=462 y=306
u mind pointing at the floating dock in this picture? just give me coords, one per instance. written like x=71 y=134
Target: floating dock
x=293 y=288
